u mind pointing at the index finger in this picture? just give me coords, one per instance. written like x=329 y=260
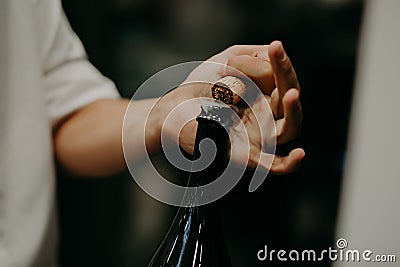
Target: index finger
x=285 y=74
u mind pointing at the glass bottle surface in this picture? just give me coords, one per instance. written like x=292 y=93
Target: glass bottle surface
x=195 y=238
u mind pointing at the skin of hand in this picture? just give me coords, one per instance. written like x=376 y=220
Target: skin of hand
x=89 y=142
x=271 y=69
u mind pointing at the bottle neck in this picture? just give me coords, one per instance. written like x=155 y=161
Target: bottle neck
x=217 y=134
x=195 y=238
x=213 y=124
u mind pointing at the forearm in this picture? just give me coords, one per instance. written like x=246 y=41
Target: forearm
x=89 y=142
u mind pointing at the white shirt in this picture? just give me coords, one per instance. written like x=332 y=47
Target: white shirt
x=369 y=217
x=44 y=76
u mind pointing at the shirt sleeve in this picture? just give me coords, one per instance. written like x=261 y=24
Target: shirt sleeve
x=70 y=80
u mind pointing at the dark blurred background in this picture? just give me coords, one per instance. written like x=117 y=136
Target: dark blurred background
x=111 y=222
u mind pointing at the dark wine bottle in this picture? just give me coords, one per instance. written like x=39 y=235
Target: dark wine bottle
x=195 y=237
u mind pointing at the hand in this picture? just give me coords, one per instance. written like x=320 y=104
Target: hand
x=270 y=68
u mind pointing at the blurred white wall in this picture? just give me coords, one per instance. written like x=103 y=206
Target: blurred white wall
x=369 y=216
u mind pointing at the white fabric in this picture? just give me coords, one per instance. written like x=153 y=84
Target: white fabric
x=369 y=213
x=43 y=76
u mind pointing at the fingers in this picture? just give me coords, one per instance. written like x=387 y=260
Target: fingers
x=250 y=50
x=257 y=69
x=263 y=53
x=252 y=61
x=283 y=165
x=285 y=102
x=285 y=74
x=289 y=127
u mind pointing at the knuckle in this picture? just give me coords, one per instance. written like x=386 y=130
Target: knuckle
x=285 y=135
x=262 y=52
x=230 y=62
x=263 y=69
x=234 y=48
x=281 y=136
x=287 y=68
x=233 y=66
